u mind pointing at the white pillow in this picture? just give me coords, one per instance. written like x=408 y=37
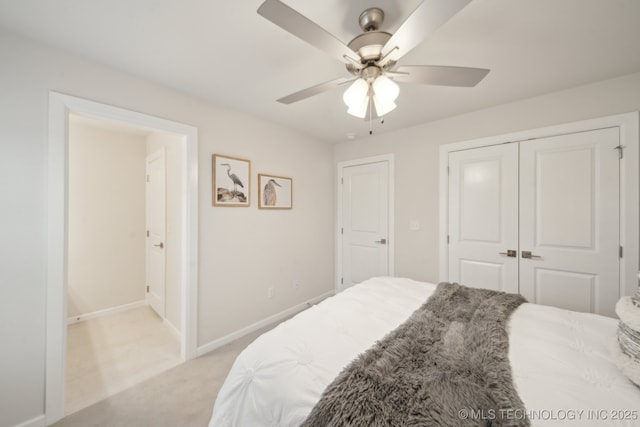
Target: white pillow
x=627 y=348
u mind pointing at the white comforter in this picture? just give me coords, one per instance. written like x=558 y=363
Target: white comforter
x=561 y=360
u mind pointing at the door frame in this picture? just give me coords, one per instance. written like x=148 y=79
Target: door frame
x=60 y=106
x=148 y=211
x=389 y=158
x=629 y=186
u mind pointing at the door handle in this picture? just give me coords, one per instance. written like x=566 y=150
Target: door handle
x=381 y=241
x=529 y=255
x=161 y=245
x=510 y=253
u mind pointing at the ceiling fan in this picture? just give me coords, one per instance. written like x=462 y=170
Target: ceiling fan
x=372 y=57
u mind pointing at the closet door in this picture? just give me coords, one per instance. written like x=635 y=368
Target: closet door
x=569 y=221
x=483 y=217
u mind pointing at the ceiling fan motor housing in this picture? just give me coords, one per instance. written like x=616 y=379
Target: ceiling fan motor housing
x=369 y=44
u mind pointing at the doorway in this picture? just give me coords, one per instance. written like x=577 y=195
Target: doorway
x=365 y=239
x=60 y=108
x=114 y=339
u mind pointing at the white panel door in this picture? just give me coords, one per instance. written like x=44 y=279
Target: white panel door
x=569 y=213
x=156 y=226
x=483 y=217
x=365 y=222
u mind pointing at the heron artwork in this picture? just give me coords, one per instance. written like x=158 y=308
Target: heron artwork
x=269 y=197
x=226 y=195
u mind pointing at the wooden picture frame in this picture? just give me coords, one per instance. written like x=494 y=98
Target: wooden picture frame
x=231 y=181
x=275 y=192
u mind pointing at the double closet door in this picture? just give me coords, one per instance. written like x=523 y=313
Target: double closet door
x=539 y=217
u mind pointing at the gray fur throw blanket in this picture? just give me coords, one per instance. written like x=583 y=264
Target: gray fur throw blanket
x=447 y=365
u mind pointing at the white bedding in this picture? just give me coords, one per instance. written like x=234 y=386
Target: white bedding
x=561 y=360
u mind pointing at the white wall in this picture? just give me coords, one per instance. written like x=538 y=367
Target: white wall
x=242 y=251
x=173 y=235
x=416 y=152
x=256 y=249
x=106 y=241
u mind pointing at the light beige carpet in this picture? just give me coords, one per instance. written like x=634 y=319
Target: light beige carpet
x=181 y=396
x=109 y=354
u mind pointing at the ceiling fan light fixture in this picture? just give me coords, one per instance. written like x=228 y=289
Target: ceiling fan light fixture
x=382 y=91
x=354 y=95
x=383 y=107
x=360 y=111
x=357 y=98
x=385 y=89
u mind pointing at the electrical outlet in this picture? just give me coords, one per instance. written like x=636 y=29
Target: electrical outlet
x=270 y=292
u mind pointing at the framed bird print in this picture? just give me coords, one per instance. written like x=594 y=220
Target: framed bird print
x=276 y=192
x=231 y=181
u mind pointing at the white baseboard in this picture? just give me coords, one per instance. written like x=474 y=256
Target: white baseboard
x=38 y=421
x=264 y=322
x=172 y=328
x=106 y=311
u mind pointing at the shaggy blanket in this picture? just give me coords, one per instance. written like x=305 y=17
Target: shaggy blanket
x=447 y=365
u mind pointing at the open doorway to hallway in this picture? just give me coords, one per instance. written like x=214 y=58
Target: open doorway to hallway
x=61 y=107
x=114 y=339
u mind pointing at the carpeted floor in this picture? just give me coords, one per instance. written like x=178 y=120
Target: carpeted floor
x=109 y=354
x=180 y=397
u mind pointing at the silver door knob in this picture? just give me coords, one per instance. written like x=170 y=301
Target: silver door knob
x=529 y=255
x=381 y=241
x=161 y=245
x=510 y=253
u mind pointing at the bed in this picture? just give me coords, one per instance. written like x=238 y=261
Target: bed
x=561 y=361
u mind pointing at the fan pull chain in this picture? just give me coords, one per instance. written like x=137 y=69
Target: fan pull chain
x=370 y=116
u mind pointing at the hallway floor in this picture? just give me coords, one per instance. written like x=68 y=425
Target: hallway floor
x=112 y=353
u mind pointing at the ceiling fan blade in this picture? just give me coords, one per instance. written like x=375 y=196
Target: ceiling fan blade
x=423 y=21
x=439 y=75
x=314 y=90
x=305 y=29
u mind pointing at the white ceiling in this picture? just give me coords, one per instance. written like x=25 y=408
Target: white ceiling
x=224 y=52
